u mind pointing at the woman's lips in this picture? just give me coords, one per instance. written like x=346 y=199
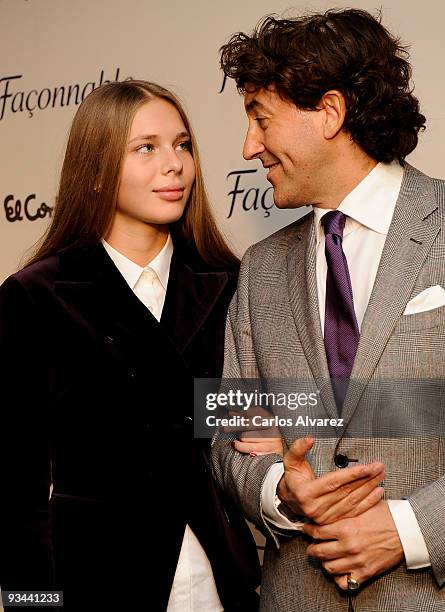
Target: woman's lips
x=170 y=194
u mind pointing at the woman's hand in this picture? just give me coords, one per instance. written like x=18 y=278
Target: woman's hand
x=257 y=436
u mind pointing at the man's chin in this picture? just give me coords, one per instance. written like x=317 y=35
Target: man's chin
x=287 y=202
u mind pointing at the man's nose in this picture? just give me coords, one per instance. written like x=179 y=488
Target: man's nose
x=253 y=145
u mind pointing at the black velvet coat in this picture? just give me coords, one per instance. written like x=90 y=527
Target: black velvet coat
x=97 y=398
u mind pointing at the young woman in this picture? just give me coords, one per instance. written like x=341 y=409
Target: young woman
x=105 y=494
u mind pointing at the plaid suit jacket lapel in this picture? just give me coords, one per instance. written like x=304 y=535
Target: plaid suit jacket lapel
x=302 y=283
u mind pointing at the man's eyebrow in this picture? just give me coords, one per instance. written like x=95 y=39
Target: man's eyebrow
x=154 y=136
x=254 y=104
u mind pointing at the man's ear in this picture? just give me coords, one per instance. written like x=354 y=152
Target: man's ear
x=334 y=106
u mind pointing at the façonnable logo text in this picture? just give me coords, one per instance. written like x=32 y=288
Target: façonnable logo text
x=15 y=100
x=246 y=198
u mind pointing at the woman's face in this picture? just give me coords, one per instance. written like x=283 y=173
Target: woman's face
x=158 y=169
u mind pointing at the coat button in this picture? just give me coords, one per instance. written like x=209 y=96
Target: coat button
x=342 y=461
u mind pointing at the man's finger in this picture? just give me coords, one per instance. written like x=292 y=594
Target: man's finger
x=360 y=499
x=370 y=500
x=296 y=455
x=318 y=506
x=349 y=564
x=326 y=550
x=341 y=568
x=315 y=496
x=344 y=479
x=321 y=532
x=342 y=581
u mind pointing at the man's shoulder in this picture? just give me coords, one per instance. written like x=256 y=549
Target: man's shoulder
x=416 y=178
x=424 y=194
x=283 y=238
x=439 y=189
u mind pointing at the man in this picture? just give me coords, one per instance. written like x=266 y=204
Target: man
x=351 y=293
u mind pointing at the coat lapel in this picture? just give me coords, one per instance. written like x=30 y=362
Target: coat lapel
x=92 y=283
x=191 y=297
x=302 y=282
x=410 y=237
x=96 y=291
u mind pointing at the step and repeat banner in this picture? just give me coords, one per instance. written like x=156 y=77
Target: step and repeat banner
x=55 y=52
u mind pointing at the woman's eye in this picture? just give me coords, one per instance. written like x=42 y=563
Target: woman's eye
x=146 y=148
x=261 y=121
x=186 y=145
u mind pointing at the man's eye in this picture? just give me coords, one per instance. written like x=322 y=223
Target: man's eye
x=261 y=121
x=146 y=148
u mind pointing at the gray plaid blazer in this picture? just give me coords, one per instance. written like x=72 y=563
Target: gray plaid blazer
x=273 y=331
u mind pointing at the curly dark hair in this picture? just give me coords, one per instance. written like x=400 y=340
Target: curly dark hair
x=347 y=50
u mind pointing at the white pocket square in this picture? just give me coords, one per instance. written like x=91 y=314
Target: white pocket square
x=430 y=298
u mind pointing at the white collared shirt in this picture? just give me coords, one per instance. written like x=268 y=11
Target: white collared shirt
x=159 y=267
x=194 y=588
x=369 y=208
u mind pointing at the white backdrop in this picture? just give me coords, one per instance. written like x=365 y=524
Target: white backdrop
x=48 y=45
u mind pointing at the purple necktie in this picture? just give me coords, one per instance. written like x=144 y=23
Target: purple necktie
x=341 y=334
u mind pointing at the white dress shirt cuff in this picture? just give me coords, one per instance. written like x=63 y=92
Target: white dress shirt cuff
x=413 y=543
x=270 y=501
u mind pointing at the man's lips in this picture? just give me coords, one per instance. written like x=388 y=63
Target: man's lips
x=271 y=168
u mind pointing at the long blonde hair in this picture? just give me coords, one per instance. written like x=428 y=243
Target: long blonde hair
x=90 y=177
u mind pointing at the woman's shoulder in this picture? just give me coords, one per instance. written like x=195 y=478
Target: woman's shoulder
x=39 y=273
x=188 y=253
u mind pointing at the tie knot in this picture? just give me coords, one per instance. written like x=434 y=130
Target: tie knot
x=334 y=222
x=148 y=275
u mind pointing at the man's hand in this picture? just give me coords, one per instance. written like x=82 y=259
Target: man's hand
x=335 y=495
x=363 y=546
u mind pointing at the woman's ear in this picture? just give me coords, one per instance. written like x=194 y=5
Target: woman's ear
x=97 y=184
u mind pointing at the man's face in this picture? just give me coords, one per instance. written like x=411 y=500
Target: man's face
x=289 y=142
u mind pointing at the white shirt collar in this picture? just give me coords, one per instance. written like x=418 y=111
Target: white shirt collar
x=131 y=271
x=372 y=201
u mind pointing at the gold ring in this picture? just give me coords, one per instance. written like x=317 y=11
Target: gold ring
x=353 y=584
